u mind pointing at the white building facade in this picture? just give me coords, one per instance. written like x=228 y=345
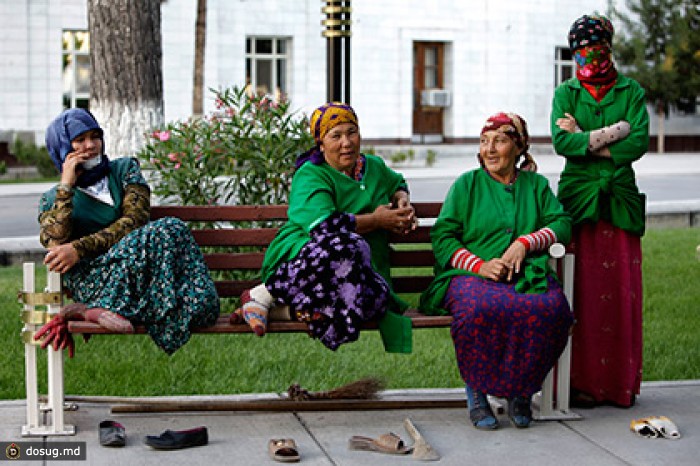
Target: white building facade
x=475 y=57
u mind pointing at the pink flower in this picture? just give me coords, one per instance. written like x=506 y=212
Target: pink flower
x=162 y=136
x=173 y=157
x=178 y=165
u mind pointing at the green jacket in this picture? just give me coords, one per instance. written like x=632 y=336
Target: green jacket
x=593 y=188
x=485 y=217
x=320 y=190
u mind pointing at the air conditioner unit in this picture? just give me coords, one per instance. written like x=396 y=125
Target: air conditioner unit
x=435 y=98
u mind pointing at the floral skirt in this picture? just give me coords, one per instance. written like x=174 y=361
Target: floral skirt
x=331 y=284
x=607 y=341
x=506 y=342
x=156 y=277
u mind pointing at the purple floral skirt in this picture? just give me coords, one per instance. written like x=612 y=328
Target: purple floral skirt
x=506 y=342
x=331 y=285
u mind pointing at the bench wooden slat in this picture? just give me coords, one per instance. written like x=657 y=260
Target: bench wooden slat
x=414 y=284
x=412 y=258
x=276 y=326
x=234 y=237
x=221 y=213
x=234 y=260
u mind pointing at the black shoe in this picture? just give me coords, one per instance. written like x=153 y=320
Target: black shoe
x=112 y=434
x=174 y=440
x=519 y=411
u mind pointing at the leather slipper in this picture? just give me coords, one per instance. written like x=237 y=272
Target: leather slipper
x=177 y=439
x=283 y=450
x=112 y=434
x=389 y=443
x=664 y=426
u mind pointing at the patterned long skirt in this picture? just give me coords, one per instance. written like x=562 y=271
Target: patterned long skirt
x=506 y=342
x=156 y=277
x=607 y=340
x=331 y=285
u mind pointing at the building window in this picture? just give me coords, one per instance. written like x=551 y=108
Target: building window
x=563 y=65
x=76 y=69
x=266 y=65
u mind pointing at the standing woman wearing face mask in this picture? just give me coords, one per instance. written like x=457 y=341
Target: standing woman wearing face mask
x=120 y=269
x=600 y=125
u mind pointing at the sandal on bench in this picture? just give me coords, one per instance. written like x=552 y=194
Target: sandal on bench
x=389 y=443
x=252 y=311
x=283 y=450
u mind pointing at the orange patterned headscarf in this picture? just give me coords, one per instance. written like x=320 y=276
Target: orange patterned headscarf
x=323 y=119
x=328 y=116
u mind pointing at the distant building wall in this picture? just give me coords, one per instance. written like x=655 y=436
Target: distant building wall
x=498 y=56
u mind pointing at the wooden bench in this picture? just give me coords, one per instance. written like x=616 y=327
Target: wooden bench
x=233 y=239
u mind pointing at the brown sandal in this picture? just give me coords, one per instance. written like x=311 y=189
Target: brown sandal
x=283 y=450
x=389 y=443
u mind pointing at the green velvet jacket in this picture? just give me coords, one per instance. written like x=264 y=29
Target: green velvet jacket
x=320 y=190
x=593 y=188
x=485 y=217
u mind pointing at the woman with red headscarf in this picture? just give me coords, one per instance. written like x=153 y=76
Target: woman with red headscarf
x=510 y=317
x=600 y=125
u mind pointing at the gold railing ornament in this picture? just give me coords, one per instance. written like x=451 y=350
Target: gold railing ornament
x=337 y=22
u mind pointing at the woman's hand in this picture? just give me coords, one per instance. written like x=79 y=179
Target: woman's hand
x=72 y=168
x=568 y=123
x=495 y=269
x=402 y=201
x=61 y=258
x=513 y=258
x=398 y=220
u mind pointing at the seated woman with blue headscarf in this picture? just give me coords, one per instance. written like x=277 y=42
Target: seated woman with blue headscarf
x=120 y=269
x=329 y=264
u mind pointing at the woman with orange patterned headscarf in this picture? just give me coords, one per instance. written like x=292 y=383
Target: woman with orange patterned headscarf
x=510 y=317
x=330 y=262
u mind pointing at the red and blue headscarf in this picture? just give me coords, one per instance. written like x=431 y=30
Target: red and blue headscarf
x=590 y=40
x=63 y=129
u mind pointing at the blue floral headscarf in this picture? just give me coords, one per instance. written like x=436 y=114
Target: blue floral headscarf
x=63 y=129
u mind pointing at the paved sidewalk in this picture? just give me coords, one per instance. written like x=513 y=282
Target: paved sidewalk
x=601 y=438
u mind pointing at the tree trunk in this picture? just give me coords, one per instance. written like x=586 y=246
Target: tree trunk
x=127 y=79
x=661 y=137
x=199 y=48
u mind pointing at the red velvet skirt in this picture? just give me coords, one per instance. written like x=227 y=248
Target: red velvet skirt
x=607 y=339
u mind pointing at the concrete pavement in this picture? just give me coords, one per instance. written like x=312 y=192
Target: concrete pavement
x=601 y=438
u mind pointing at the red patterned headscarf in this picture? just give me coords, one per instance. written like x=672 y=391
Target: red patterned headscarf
x=515 y=127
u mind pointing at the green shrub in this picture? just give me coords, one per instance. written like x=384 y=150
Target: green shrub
x=243 y=153
x=28 y=153
x=3 y=167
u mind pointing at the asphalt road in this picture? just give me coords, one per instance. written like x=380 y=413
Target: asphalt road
x=18 y=213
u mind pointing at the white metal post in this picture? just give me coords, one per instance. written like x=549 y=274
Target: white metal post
x=55 y=368
x=30 y=376
x=554 y=400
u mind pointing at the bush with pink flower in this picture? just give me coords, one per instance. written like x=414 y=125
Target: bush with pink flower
x=243 y=153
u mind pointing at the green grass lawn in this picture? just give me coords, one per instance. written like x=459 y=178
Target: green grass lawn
x=226 y=364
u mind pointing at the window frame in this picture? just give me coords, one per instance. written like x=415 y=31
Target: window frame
x=561 y=63
x=71 y=96
x=280 y=64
